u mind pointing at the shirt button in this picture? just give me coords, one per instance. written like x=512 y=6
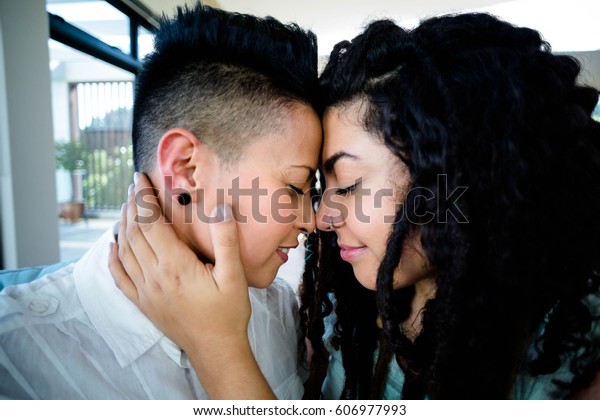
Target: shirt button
x=39 y=305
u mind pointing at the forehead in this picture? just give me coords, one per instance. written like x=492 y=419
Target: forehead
x=297 y=141
x=343 y=130
x=350 y=151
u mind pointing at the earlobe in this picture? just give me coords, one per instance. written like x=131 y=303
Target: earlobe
x=184 y=199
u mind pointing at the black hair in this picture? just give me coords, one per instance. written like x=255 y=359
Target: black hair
x=488 y=105
x=226 y=77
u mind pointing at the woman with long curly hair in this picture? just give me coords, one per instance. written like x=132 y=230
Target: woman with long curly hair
x=458 y=248
x=487 y=275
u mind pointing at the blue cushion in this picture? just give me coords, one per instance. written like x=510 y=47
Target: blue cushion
x=27 y=274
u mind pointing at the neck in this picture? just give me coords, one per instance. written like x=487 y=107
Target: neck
x=424 y=291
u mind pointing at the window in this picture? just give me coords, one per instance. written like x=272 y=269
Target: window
x=94 y=50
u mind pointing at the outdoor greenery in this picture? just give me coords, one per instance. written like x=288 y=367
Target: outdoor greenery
x=105 y=186
x=107 y=174
x=71 y=155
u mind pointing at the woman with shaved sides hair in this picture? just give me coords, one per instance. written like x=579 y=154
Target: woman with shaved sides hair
x=224 y=117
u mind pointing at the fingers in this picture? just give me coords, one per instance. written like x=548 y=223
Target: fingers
x=228 y=270
x=138 y=223
x=128 y=259
x=159 y=237
x=153 y=257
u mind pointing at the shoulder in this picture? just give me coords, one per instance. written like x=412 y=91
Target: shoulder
x=44 y=300
x=528 y=386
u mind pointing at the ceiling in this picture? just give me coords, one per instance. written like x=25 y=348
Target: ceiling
x=568 y=25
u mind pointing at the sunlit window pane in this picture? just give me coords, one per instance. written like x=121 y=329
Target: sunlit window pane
x=98 y=18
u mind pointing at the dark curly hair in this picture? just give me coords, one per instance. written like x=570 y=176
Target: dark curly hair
x=488 y=105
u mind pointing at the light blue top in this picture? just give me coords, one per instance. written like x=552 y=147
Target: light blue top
x=526 y=387
x=529 y=387
x=25 y=275
x=334 y=381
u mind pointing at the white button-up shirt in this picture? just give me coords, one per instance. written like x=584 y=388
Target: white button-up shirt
x=72 y=334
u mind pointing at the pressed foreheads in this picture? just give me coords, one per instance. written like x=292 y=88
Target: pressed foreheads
x=226 y=77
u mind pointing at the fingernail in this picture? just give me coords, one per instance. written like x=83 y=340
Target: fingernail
x=123 y=207
x=136 y=177
x=116 y=228
x=223 y=213
x=130 y=189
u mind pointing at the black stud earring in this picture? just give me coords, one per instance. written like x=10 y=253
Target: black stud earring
x=184 y=199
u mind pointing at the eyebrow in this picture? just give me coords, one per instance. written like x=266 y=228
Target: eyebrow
x=329 y=164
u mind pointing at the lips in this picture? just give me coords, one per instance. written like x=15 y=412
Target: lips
x=283 y=252
x=349 y=253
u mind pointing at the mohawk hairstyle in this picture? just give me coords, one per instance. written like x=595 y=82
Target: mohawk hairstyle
x=226 y=77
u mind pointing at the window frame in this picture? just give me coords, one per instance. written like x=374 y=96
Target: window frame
x=139 y=15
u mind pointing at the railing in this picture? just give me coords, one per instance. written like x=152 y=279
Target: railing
x=101 y=119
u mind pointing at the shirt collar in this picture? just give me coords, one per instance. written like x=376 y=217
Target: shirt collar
x=128 y=333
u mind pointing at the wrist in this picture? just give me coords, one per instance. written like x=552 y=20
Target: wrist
x=227 y=369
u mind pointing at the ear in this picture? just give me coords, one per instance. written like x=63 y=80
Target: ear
x=178 y=162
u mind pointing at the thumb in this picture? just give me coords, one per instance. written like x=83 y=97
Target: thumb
x=228 y=268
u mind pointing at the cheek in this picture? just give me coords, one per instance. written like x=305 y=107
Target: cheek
x=258 y=242
x=268 y=207
x=259 y=239
x=374 y=231
x=413 y=267
x=375 y=208
x=251 y=247
x=384 y=215
x=280 y=213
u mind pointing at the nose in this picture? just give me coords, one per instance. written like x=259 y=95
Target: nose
x=306 y=219
x=326 y=217
x=332 y=214
x=323 y=218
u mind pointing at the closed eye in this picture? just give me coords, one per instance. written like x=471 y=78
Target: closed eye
x=296 y=189
x=345 y=191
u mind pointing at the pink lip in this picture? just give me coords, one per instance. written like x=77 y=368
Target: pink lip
x=283 y=256
x=350 y=252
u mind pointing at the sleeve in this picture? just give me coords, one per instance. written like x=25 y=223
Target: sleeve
x=25 y=275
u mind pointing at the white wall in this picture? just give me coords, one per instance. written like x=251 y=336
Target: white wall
x=590 y=73
x=28 y=211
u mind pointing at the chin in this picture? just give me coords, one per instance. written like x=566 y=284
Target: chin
x=261 y=284
x=367 y=280
x=261 y=281
x=371 y=285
